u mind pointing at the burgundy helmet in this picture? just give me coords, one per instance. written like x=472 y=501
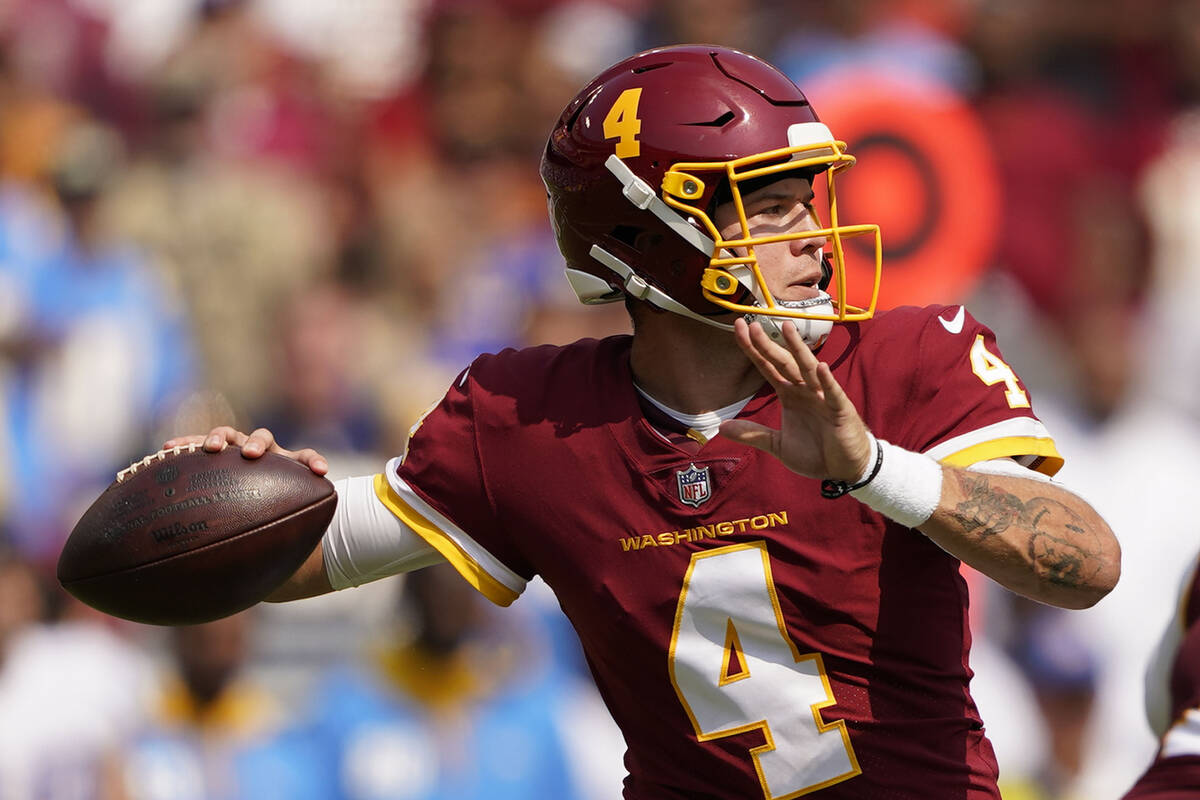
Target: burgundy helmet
x=635 y=161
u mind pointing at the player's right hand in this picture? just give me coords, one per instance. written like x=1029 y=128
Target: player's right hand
x=821 y=434
x=253 y=445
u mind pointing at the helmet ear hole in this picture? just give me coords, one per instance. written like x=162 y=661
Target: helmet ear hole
x=637 y=239
x=647 y=240
x=628 y=235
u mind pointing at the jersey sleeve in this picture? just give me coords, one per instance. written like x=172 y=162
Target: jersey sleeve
x=438 y=488
x=973 y=407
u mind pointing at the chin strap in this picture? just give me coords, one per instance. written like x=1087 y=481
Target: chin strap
x=636 y=287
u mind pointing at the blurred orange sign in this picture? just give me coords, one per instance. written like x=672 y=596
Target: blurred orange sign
x=925 y=174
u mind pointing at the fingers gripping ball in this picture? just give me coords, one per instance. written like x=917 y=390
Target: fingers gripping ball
x=185 y=536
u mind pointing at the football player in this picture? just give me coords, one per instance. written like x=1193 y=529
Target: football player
x=1173 y=704
x=776 y=610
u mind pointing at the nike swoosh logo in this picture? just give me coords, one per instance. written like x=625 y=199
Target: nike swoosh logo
x=955 y=323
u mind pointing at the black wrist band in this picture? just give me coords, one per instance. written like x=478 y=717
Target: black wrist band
x=831 y=488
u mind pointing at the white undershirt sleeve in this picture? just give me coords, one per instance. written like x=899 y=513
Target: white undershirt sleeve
x=365 y=541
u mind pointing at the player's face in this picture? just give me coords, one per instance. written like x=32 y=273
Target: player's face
x=791 y=268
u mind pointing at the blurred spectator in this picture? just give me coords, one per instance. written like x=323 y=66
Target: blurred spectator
x=1078 y=245
x=205 y=718
x=1018 y=731
x=517 y=295
x=264 y=101
x=22 y=604
x=467 y=253
x=69 y=695
x=580 y=38
x=471 y=78
x=33 y=119
x=1061 y=667
x=27 y=233
x=323 y=401
x=742 y=24
x=230 y=236
x=97 y=349
x=461 y=704
x=916 y=38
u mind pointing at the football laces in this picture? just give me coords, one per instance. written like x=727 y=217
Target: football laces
x=153 y=457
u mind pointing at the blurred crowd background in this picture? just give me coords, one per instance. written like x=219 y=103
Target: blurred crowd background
x=310 y=215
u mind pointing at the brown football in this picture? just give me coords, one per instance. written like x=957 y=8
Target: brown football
x=185 y=536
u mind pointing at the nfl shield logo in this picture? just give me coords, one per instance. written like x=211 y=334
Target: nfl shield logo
x=694 y=487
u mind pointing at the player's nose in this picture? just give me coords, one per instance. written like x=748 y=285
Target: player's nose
x=809 y=241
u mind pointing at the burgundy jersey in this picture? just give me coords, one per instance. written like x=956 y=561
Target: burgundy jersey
x=750 y=637
x=1175 y=773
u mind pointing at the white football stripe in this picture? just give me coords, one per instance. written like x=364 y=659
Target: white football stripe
x=1009 y=428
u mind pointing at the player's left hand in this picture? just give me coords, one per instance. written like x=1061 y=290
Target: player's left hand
x=821 y=434
x=253 y=445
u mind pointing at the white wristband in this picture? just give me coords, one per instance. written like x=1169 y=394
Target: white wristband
x=907 y=488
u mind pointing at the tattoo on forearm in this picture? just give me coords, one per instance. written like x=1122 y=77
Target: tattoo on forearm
x=1057 y=535
x=1051 y=546
x=986 y=510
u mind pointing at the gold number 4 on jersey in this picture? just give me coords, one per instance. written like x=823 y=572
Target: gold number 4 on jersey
x=992 y=370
